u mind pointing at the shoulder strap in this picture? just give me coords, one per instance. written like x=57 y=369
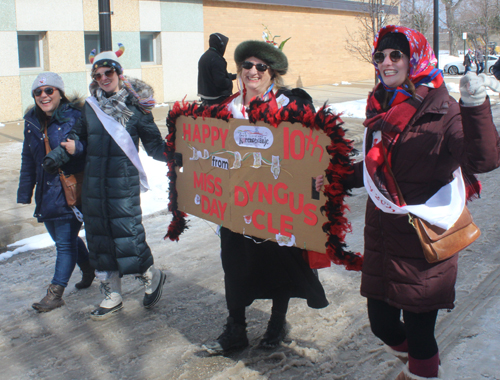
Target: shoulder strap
x=46 y=139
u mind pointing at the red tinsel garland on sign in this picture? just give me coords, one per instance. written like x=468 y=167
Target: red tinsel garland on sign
x=339 y=168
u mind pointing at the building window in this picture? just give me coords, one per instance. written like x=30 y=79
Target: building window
x=30 y=50
x=149 y=47
x=92 y=41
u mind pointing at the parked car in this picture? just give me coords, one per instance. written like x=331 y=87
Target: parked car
x=457 y=67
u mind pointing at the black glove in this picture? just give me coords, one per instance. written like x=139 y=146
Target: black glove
x=178 y=159
x=49 y=165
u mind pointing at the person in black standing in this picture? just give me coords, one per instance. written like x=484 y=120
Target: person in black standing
x=496 y=69
x=468 y=62
x=215 y=84
x=479 y=62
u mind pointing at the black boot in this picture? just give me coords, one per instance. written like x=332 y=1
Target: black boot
x=234 y=337
x=88 y=275
x=276 y=331
x=52 y=300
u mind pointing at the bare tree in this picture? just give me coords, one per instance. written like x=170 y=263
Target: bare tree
x=481 y=20
x=377 y=14
x=454 y=29
x=417 y=14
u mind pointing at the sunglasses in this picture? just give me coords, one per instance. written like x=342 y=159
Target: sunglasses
x=98 y=76
x=247 y=65
x=394 y=55
x=47 y=90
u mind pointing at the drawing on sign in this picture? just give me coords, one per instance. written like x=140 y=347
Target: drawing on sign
x=253 y=137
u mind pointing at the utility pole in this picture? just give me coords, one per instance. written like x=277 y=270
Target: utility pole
x=105 y=25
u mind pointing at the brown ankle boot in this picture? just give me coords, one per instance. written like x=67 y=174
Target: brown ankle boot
x=52 y=300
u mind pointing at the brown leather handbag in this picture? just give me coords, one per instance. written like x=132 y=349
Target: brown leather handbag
x=71 y=183
x=437 y=243
x=72 y=186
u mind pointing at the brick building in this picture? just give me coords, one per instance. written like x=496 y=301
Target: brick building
x=164 y=39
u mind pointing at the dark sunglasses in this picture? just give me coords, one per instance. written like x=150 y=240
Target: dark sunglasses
x=108 y=73
x=394 y=55
x=247 y=65
x=47 y=90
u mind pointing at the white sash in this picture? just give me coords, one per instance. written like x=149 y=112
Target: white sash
x=122 y=138
x=443 y=209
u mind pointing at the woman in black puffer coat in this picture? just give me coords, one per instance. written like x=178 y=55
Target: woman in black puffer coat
x=53 y=116
x=115 y=117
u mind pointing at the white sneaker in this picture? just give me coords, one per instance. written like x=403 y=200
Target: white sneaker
x=153 y=280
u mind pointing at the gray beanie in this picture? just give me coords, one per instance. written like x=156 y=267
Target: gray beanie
x=48 y=79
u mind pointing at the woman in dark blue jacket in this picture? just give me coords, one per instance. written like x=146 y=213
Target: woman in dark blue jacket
x=53 y=115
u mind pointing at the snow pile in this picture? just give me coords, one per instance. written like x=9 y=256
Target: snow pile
x=151 y=201
x=353 y=108
x=453 y=87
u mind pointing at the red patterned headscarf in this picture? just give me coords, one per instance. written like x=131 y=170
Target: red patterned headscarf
x=423 y=62
x=402 y=106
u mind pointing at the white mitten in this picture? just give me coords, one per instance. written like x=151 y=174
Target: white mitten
x=490 y=82
x=473 y=88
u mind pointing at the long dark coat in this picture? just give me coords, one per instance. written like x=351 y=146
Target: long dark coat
x=442 y=136
x=111 y=202
x=266 y=270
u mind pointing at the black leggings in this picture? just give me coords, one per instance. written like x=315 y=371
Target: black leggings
x=417 y=329
x=280 y=307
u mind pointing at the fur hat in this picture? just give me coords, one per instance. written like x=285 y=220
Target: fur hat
x=272 y=56
x=396 y=41
x=107 y=59
x=48 y=79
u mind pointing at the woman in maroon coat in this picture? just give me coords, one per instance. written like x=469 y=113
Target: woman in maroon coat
x=426 y=136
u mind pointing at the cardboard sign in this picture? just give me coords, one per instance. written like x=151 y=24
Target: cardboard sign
x=254 y=179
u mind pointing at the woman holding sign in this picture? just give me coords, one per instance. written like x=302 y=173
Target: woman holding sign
x=256 y=269
x=417 y=139
x=115 y=117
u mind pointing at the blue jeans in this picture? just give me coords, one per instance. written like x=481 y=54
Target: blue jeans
x=70 y=248
x=480 y=68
